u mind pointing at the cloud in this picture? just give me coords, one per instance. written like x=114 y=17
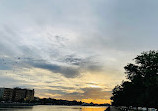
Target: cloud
x=96 y=93
x=68 y=72
x=62 y=87
x=71 y=59
x=4 y=65
x=55 y=38
x=10 y=81
x=89 y=93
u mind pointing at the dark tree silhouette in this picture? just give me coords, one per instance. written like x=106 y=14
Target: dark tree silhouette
x=142 y=85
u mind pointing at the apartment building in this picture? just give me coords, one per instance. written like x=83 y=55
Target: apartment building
x=16 y=94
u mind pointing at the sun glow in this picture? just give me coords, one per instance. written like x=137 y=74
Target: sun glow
x=97 y=101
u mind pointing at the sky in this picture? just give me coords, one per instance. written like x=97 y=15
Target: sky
x=73 y=49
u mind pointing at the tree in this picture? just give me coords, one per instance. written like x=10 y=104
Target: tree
x=142 y=84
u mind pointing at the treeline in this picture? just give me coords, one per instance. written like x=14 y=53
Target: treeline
x=50 y=101
x=141 y=87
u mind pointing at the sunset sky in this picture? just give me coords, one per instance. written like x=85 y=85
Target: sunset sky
x=73 y=49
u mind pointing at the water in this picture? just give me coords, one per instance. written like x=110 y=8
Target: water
x=56 y=108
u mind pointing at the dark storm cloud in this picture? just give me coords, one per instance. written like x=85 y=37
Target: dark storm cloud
x=84 y=63
x=20 y=63
x=13 y=63
x=68 y=72
x=71 y=59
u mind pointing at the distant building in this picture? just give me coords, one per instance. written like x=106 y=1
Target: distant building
x=16 y=94
x=19 y=94
x=6 y=94
x=29 y=94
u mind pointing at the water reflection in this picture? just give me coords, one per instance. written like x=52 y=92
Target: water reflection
x=55 y=108
x=27 y=108
x=93 y=109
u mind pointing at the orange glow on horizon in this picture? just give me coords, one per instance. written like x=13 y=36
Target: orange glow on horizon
x=93 y=109
x=96 y=101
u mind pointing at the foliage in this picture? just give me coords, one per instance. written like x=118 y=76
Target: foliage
x=142 y=85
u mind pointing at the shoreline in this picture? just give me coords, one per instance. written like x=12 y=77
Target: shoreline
x=12 y=105
x=15 y=105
